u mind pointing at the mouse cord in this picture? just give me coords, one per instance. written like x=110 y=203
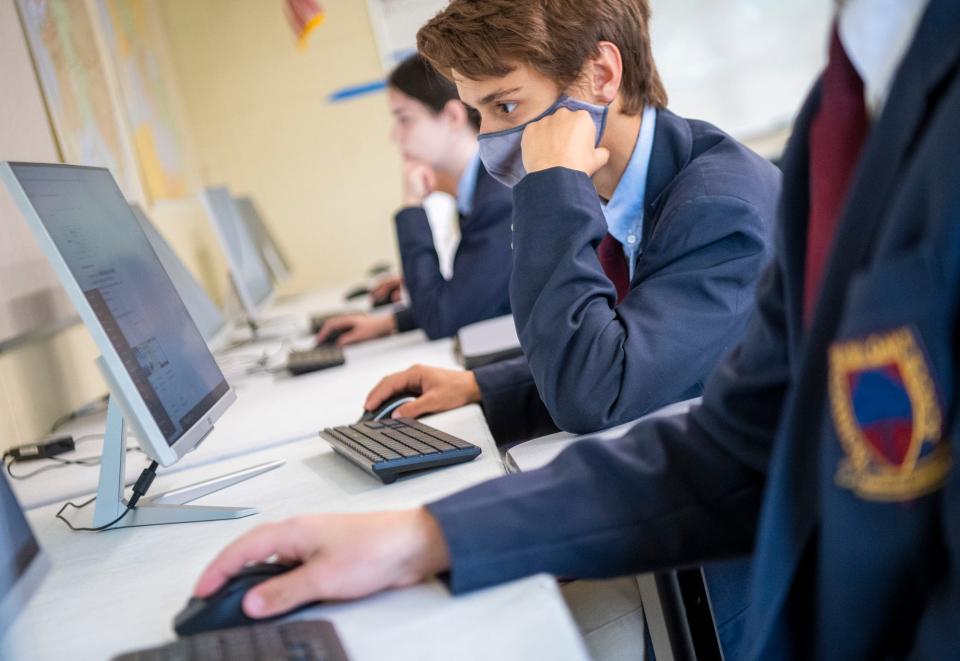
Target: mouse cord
x=139 y=489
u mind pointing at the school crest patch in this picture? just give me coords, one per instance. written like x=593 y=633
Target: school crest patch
x=887 y=415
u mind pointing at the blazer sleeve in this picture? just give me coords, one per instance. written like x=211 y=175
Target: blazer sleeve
x=671 y=492
x=598 y=364
x=478 y=288
x=511 y=402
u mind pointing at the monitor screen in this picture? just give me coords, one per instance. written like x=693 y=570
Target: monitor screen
x=205 y=313
x=278 y=263
x=247 y=267
x=128 y=291
x=19 y=554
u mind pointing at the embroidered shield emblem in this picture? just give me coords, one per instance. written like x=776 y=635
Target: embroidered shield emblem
x=887 y=416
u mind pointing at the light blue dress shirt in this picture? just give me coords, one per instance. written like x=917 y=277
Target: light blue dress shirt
x=467 y=186
x=624 y=211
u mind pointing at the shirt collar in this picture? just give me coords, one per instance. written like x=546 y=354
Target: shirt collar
x=624 y=211
x=875 y=35
x=467 y=186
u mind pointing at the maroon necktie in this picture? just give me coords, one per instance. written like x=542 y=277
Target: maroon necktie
x=837 y=134
x=614 y=263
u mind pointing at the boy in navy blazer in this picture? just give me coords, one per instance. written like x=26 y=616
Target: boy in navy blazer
x=629 y=286
x=827 y=440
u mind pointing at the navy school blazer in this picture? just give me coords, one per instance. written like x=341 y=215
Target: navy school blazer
x=590 y=364
x=479 y=287
x=832 y=450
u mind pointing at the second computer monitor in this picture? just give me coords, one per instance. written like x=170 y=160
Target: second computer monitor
x=247 y=269
x=269 y=249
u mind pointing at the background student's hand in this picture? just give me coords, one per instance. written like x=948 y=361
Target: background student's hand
x=389 y=286
x=419 y=180
x=357 y=327
x=343 y=556
x=440 y=390
x=564 y=139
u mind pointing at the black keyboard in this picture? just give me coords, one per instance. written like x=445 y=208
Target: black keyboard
x=311 y=640
x=390 y=448
x=311 y=360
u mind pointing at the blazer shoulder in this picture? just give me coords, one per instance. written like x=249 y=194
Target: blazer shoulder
x=721 y=174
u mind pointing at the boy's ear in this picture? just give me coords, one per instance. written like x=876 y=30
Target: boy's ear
x=605 y=73
x=456 y=113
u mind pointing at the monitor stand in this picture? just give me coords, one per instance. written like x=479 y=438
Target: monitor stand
x=162 y=508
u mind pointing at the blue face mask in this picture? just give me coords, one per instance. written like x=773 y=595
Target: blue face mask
x=500 y=151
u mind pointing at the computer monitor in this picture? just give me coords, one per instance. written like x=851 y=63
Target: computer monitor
x=205 y=314
x=22 y=562
x=247 y=268
x=269 y=249
x=155 y=360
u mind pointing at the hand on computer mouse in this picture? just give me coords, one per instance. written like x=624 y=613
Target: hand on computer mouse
x=440 y=390
x=343 y=556
x=354 y=328
x=386 y=291
x=222 y=609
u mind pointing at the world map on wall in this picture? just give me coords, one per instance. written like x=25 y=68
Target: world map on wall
x=137 y=48
x=74 y=81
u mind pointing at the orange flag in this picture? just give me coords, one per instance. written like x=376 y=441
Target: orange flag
x=304 y=17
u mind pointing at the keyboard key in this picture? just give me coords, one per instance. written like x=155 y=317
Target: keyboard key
x=419 y=446
x=436 y=433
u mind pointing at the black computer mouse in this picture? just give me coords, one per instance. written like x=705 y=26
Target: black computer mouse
x=331 y=339
x=389 y=406
x=356 y=292
x=386 y=298
x=223 y=609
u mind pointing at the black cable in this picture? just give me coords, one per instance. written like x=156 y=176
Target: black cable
x=87 y=409
x=263 y=369
x=139 y=489
x=58 y=462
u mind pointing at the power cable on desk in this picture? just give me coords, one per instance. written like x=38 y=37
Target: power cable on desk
x=9 y=460
x=139 y=489
x=88 y=409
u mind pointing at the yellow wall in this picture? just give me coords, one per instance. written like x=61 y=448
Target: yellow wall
x=325 y=175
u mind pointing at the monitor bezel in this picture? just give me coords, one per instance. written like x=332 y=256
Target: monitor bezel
x=151 y=438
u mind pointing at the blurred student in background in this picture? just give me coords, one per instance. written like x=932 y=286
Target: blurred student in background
x=437 y=138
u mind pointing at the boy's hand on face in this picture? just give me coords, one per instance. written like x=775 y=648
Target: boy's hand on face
x=564 y=139
x=419 y=180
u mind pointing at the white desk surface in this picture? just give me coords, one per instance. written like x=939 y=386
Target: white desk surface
x=112 y=592
x=270 y=410
x=119 y=590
